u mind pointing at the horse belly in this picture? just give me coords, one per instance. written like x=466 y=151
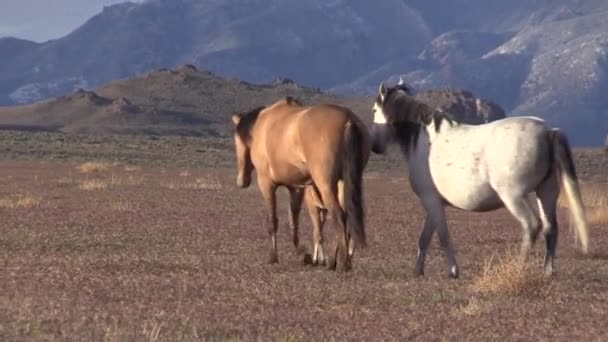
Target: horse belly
x=291 y=175
x=470 y=196
x=463 y=182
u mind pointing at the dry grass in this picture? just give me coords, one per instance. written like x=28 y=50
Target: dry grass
x=122 y=205
x=20 y=201
x=129 y=180
x=132 y=168
x=92 y=167
x=593 y=194
x=206 y=183
x=472 y=308
x=120 y=264
x=510 y=276
x=93 y=184
x=595 y=201
x=597 y=215
x=200 y=183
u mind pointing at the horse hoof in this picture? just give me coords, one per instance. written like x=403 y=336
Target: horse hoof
x=308 y=259
x=274 y=259
x=319 y=263
x=453 y=272
x=418 y=273
x=534 y=236
x=331 y=265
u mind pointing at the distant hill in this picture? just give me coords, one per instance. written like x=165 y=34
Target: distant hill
x=547 y=58
x=316 y=43
x=188 y=101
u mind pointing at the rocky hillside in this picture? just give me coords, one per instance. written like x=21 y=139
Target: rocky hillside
x=545 y=57
x=316 y=43
x=550 y=60
x=188 y=101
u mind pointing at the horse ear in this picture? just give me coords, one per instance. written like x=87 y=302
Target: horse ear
x=382 y=91
x=236 y=119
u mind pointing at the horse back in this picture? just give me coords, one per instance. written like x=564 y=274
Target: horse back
x=322 y=128
x=519 y=154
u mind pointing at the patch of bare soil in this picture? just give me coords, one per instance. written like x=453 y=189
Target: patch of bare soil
x=179 y=253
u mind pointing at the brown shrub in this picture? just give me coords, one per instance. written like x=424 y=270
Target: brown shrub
x=19 y=201
x=132 y=168
x=472 y=308
x=200 y=183
x=92 y=167
x=597 y=215
x=595 y=201
x=122 y=205
x=93 y=184
x=511 y=276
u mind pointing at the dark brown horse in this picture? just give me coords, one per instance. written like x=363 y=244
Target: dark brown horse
x=323 y=148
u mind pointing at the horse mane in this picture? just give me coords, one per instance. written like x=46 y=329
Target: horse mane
x=408 y=116
x=291 y=101
x=243 y=128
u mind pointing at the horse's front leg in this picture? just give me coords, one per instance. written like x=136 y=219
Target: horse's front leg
x=436 y=213
x=268 y=189
x=423 y=244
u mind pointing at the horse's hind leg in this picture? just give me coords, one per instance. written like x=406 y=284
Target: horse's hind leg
x=341 y=199
x=547 y=194
x=317 y=217
x=329 y=196
x=268 y=190
x=295 y=204
x=521 y=210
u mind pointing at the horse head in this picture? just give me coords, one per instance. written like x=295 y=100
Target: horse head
x=243 y=125
x=394 y=116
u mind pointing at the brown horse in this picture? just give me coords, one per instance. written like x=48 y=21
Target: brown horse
x=323 y=149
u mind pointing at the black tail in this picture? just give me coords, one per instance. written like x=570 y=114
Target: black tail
x=353 y=165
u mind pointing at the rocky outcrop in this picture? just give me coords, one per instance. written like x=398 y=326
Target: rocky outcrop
x=123 y=105
x=85 y=97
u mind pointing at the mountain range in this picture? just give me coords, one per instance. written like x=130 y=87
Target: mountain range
x=547 y=58
x=188 y=101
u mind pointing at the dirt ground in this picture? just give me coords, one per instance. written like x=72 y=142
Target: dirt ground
x=180 y=253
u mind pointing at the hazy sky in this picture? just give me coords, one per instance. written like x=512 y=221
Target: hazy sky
x=41 y=20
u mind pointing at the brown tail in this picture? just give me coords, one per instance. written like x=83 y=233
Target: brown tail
x=352 y=174
x=563 y=156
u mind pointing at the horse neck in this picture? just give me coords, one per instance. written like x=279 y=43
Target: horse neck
x=417 y=160
x=436 y=122
x=420 y=125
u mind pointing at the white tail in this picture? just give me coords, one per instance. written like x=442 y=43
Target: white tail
x=563 y=156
